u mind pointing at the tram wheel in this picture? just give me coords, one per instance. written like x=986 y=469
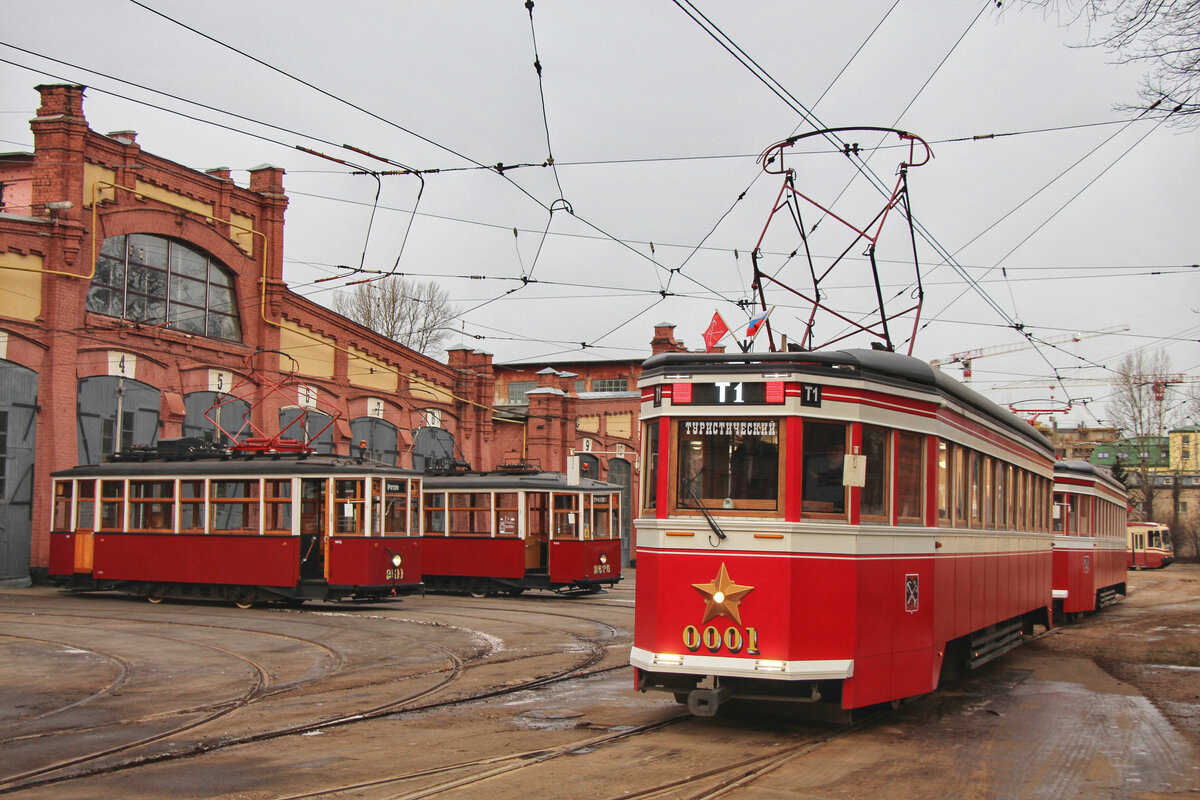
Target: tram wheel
x=152 y=594
x=244 y=598
x=515 y=591
x=477 y=588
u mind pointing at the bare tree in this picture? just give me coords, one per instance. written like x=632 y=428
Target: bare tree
x=417 y=314
x=1164 y=35
x=1143 y=409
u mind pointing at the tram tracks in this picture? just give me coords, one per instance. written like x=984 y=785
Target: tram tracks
x=101 y=762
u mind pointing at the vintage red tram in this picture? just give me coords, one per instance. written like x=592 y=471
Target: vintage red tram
x=1090 y=510
x=520 y=528
x=185 y=522
x=840 y=527
x=1148 y=545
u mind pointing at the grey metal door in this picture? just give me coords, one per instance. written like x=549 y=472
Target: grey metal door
x=309 y=429
x=114 y=414
x=379 y=438
x=18 y=435
x=232 y=416
x=620 y=472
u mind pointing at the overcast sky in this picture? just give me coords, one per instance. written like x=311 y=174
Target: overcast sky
x=1082 y=220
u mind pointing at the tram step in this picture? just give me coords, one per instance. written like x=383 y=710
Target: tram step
x=994 y=641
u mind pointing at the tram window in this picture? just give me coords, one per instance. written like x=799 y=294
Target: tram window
x=602 y=516
x=85 y=507
x=728 y=464
x=1001 y=495
x=470 y=513
x=566 y=516
x=191 y=506
x=151 y=505
x=823 y=491
x=874 y=493
x=112 y=505
x=277 y=506
x=1155 y=539
x=394 y=516
x=1059 y=501
x=989 y=493
x=651 y=462
x=976 y=489
x=435 y=513
x=348 y=502
x=960 y=485
x=507 y=513
x=537 y=515
x=233 y=506
x=1085 y=516
x=910 y=475
x=63 y=495
x=414 y=506
x=945 y=489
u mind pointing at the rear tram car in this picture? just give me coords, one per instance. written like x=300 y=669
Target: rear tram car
x=1148 y=545
x=244 y=528
x=515 y=529
x=838 y=527
x=1090 y=509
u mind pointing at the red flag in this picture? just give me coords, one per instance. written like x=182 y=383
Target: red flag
x=716 y=332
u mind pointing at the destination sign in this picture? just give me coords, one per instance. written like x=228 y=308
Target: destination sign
x=739 y=393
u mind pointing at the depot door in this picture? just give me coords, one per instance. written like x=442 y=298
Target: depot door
x=18 y=429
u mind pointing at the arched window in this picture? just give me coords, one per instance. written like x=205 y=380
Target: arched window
x=161 y=281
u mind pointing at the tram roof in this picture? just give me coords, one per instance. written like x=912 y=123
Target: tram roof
x=1085 y=470
x=249 y=466
x=877 y=366
x=516 y=481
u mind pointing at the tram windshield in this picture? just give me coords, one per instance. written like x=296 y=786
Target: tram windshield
x=728 y=463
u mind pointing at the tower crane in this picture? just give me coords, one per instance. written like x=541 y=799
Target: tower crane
x=967 y=356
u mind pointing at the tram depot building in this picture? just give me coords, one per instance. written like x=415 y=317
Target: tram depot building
x=135 y=291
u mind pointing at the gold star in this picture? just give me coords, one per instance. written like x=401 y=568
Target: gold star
x=722 y=596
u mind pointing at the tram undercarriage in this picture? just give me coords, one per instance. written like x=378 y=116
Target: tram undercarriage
x=244 y=596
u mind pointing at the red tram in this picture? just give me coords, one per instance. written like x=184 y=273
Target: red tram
x=186 y=522
x=1148 y=545
x=517 y=529
x=1090 y=509
x=838 y=527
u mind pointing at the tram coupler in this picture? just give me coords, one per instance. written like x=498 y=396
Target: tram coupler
x=704 y=702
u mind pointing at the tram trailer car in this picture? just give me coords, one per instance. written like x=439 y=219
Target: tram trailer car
x=1148 y=545
x=241 y=528
x=1090 y=510
x=840 y=527
x=512 y=530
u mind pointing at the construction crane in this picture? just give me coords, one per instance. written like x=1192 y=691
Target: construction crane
x=967 y=356
x=1158 y=383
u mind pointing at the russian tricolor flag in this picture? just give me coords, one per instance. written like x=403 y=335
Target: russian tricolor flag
x=757 y=321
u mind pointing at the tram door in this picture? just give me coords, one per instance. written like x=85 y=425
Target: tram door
x=537 y=534
x=313 y=516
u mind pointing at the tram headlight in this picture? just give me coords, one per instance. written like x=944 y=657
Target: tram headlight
x=766 y=665
x=397 y=560
x=603 y=558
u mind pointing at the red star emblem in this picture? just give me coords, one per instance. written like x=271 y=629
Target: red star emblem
x=722 y=597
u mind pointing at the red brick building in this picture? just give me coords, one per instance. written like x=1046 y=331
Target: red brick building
x=134 y=291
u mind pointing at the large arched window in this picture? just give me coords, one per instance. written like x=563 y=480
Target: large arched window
x=161 y=281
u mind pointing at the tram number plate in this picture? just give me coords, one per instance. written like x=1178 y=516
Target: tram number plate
x=733 y=640
x=810 y=395
x=395 y=574
x=602 y=569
